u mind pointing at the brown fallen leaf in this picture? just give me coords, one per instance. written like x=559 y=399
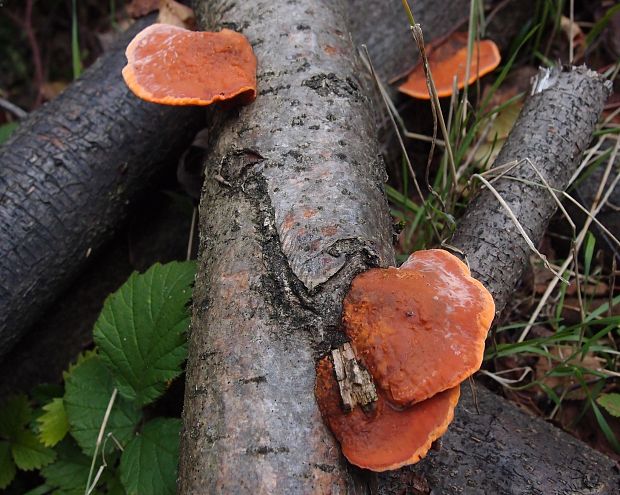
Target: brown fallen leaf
x=176 y=14
x=566 y=384
x=140 y=8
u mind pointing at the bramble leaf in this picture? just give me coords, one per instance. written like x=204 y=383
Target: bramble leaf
x=70 y=471
x=140 y=332
x=7 y=466
x=53 y=423
x=88 y=390
x=15 y=414
x=28 y=452
x=149 y=462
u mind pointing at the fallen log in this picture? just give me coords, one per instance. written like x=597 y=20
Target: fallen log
x=290 y=212
x=494 y=448
x=384 y=28
x=68 y=226
x=548 y=139
x=300 y=211
x=154 y=232
x=68 y=176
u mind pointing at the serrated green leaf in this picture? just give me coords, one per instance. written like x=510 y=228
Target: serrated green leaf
x=611 y=403
x=53 y=423
x=7 y=466
x=15 y=414
x=140 y=332
x=70 y=471
x=29 y=453
x=82 y=356
x=149 y=463
x=88 y=390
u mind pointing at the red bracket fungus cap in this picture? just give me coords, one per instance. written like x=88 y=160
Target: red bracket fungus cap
x=419 y=329
x=385 y=437
x=173 y=66
x=449 y=59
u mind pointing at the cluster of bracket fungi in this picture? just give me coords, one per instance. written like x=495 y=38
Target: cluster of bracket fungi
x=416 y=332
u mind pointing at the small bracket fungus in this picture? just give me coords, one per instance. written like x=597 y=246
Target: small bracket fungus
x=173 y=66
x=419 y=329
x=448 y=60
x=385 y=437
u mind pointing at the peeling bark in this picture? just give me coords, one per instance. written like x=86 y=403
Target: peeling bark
x=68 y=175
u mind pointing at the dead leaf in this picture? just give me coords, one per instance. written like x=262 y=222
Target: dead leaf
x=52 y=89
x=176 y=14
x=568 y=383
x=573 y=31
x=140 y=8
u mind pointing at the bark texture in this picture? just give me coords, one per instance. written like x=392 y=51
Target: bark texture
x=504 y=451
x=292 y=209
x=155 y=232
x=67 y=178
x=384 y=28
x=552 y=131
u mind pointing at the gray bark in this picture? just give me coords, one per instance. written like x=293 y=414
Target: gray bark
x=384 y=28
x=96 y=99
x=504 y=451
x=68 y=175
x=155 y=232
x=300 y=211
x=553 y=129
x=291 y=210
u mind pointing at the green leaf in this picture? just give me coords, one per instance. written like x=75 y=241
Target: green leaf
x=7 y=466
x=88 y=390
x=53 y=423
x=39 y=490
x=114 y=486
x=70 y=471
x=82 y=356
x=15 y=414
x=611 y=403
x=149 y=463
x=29 y=453
x=6 y=130
x=140 y=331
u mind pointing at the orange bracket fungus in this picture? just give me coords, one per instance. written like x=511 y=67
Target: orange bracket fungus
x=449 y=60
x=173 y=66
x=419 y=330
x=385 y=437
